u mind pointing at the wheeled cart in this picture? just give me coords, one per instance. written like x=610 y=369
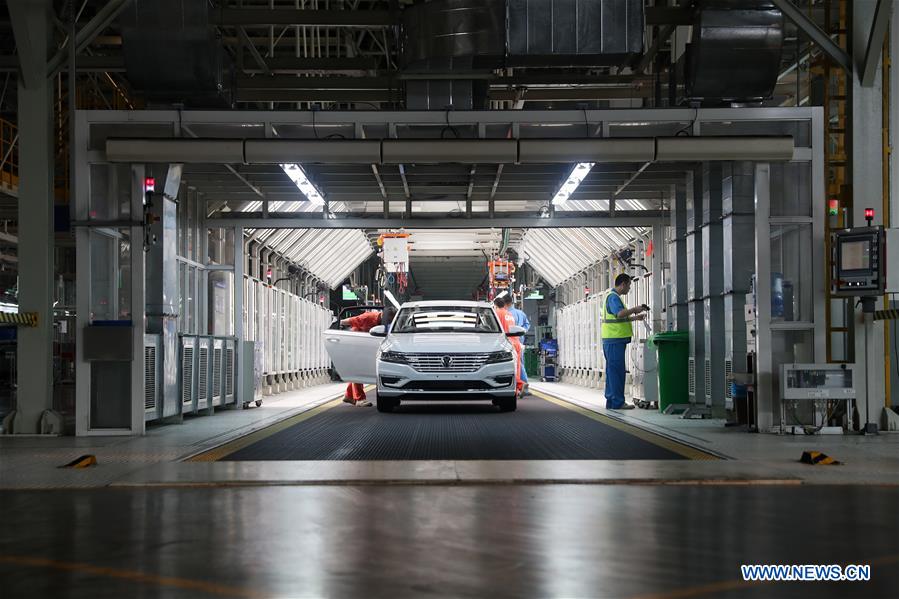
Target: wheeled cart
x=548 y=366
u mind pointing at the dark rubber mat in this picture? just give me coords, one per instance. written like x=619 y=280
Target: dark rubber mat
x=538 y=430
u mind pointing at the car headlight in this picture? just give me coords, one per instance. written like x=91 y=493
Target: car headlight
x=499 y=356
x=393 y=356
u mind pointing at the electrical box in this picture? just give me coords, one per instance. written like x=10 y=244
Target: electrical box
x=396 y=250
x=645 y=382
x=252 y=374
x=817 y=381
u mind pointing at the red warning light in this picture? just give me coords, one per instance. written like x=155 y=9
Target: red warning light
x=833 y=207
x=149 y=184
x=869 y=214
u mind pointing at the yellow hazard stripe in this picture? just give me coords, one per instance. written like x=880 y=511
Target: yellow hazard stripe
x=81 y=462
x=664 y=442
x=892 y=314
x=28 y=319
x=816 y=457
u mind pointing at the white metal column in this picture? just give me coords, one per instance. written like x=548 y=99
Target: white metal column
x=867 y=191
x=31 y=24
x=239 y=330
x=766 y=391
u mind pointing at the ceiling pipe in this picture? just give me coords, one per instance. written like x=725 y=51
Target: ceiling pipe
x=466 y=151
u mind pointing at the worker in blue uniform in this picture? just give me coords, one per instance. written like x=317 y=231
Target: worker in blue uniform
x=616 y=332
x=521 y=320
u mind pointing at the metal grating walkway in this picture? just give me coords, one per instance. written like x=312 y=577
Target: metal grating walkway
x=538 y=430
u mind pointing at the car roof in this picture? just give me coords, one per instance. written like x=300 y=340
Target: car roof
x=446 y=304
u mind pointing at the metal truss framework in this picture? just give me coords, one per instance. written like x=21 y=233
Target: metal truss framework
x=257 y=201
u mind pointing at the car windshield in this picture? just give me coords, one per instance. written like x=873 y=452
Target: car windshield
x=425 y=319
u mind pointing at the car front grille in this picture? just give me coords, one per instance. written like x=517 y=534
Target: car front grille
x=447 y=362
x=446 y=386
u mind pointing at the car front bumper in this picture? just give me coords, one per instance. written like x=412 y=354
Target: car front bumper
x=401 y=381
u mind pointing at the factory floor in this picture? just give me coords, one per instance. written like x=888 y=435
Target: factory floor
x=182 y=513
x=582 y=541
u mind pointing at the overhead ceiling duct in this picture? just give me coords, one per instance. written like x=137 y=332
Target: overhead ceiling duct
x=454 y=29
x=446 y=36
x=280 y=151
x=184 y=151
x=440 y=94
x=735 y=50
x=474 y=36
x=465 y=151
x=762 y=149
x=172 y=55
x=574 y=32
x=462 y=151
x=554 y=151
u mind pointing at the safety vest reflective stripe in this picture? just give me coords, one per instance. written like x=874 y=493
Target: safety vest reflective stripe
x=613 y=327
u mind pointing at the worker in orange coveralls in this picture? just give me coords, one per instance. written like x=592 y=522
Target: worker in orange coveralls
x=363 y=323
x=507 y=320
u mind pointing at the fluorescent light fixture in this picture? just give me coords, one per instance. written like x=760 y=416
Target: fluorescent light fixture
x=501 y=295
x=578 y=174
x=299 y=178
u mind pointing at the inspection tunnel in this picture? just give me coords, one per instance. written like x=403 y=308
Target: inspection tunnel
x=463 y=298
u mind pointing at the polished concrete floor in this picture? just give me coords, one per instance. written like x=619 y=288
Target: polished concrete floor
x=443 y=541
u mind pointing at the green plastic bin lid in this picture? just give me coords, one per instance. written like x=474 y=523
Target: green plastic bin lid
x=671 y=336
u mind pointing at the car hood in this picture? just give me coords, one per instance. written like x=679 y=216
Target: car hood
x=455 y=343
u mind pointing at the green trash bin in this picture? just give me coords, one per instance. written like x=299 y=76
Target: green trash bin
x=532 y=362
x=673 y=348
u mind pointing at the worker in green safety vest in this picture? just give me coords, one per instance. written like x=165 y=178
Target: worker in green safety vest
x=616 y=334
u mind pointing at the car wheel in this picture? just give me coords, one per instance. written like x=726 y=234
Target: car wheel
x=386 y=404
x=508 y=404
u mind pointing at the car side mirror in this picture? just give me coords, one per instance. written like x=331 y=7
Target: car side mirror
x=516 y=331
x=378 y=331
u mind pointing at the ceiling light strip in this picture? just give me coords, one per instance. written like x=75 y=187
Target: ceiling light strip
x=578 y=174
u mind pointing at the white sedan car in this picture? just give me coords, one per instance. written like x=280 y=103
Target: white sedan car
x=436 y=350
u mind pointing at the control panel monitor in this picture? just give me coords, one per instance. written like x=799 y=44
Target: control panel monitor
x=857 y=262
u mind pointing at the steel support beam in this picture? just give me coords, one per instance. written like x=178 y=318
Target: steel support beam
x=318 y=95
x=767 y=402
x=84 y=64
x=817 y=35
x=459 y=117
x=875 y=41
x=867 y=340
x=289 y=82
x=254 y=52
x=371 y=19
x=561 y=219
x=104 y=17
x=31 y=24
x=289 y=64
x=661 y=37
